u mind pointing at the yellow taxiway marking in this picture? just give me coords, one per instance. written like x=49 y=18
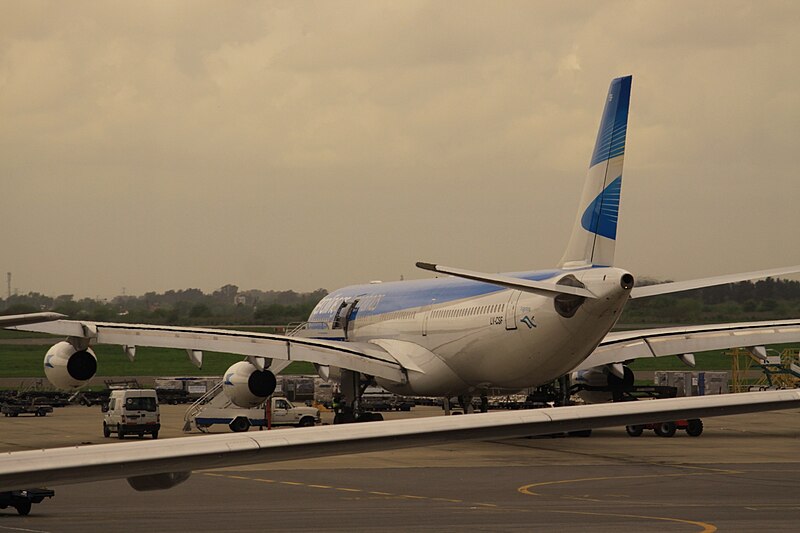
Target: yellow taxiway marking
x=349 y=489
x=704 y=526
x=526 y=489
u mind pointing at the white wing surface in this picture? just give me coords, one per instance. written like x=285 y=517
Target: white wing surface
x=623 y=346
x=28 y=318
x=149 y=463
x=367 y=358
x=680 y=286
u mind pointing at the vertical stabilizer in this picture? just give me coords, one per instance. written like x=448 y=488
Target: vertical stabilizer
x=594 y=235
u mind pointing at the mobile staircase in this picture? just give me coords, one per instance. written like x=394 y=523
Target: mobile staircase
x=215 y=398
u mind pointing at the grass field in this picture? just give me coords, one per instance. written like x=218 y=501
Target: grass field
x=26 y=361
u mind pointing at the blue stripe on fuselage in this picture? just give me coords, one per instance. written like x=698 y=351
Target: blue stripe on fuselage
x=402 y=295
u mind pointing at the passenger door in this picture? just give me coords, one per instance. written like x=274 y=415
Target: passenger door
x=511 y=310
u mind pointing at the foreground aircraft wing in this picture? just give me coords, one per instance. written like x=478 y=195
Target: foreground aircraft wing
x=163 y=463
x=368 y=358
x=28 y=318
x=624 y=346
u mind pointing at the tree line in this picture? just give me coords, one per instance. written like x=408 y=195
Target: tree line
x=226 y=305
x=767 y=299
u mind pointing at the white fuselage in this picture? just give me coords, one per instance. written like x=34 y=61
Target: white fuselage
x=471 y=336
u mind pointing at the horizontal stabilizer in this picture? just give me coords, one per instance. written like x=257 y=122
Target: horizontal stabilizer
x=679 y=286
x=536 y=287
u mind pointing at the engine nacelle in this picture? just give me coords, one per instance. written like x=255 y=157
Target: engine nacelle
x=247 y=386
x=69 y=368
x=600 y=385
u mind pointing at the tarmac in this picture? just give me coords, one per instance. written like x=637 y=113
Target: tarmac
x=739 y=475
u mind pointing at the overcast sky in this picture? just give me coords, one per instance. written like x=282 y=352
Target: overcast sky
x=305 y=145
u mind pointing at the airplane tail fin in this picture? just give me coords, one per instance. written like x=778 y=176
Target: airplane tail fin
x=595 y=232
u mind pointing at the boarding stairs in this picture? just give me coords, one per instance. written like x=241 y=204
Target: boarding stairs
x=215 y=398
x=212 y=398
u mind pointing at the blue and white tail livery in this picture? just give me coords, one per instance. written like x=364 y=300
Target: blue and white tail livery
x=594 y=235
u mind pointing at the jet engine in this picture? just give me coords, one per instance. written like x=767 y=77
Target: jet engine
x=67 y=367
x=602 y=384
x=247 y=386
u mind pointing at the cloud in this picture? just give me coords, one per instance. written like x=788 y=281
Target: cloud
x=159 y=145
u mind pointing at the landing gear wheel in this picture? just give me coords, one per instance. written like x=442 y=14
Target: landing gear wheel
x=665 y=429
x=23 y=507
x=106 y=431
x=695 y=427
x=634 y=431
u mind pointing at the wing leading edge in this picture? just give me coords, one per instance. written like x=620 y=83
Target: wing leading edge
x=176 y=457
x=368 y=358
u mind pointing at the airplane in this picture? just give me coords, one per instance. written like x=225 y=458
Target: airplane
x=460 y=335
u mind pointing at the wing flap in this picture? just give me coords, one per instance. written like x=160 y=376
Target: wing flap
x=134 y=459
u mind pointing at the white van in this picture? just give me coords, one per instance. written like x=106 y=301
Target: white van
x=132 y=412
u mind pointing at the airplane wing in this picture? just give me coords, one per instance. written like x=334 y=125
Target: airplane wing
x=28 y=318
x=680 y=286
x=624 y=346
x=160 y=464
x=366 y=357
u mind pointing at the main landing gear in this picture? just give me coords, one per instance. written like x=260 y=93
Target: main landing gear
x=347 y=405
